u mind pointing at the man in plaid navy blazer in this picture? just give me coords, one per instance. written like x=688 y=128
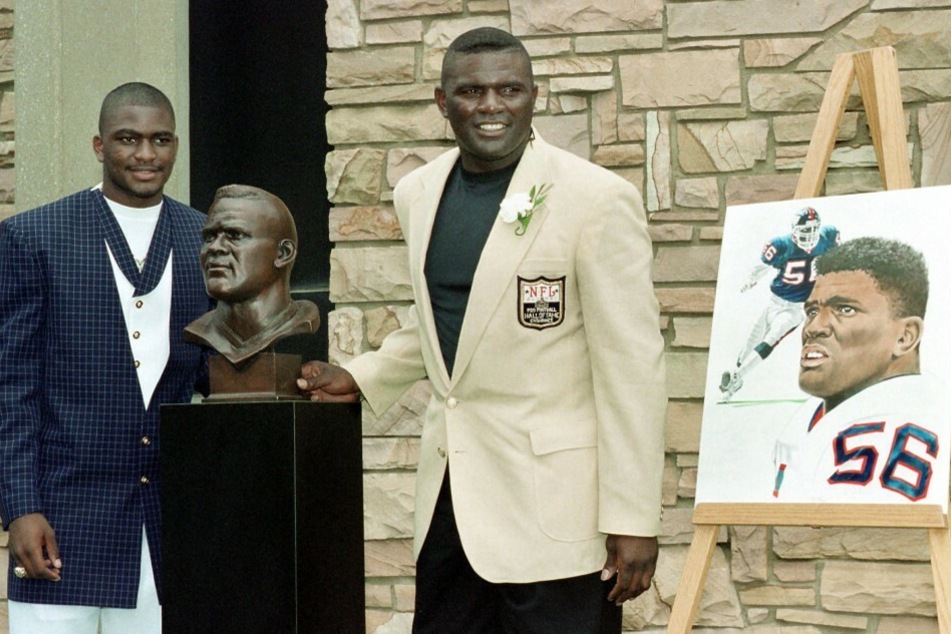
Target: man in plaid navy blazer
x=83 y=372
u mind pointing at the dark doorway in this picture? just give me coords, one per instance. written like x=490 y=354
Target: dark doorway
x=257 y=81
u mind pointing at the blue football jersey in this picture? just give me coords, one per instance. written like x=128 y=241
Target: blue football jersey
x=795 y=271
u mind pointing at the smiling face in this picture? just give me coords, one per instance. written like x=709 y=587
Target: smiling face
x=851 y=338
x=137 y=148
x=242 y=250
x=488 y=98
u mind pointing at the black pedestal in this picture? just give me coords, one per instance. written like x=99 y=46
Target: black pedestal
x=262 y=518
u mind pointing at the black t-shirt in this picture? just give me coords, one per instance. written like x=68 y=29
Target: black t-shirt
x=468 y=209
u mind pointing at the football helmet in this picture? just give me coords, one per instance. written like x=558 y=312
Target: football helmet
x=805 y=229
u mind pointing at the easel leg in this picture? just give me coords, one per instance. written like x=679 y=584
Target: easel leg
x=687 y=601
x=940 y=539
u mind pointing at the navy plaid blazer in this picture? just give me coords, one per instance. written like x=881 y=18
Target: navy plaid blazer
x=76 y=442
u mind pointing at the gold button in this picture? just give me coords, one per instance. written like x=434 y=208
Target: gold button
x=144 y=479
x=137 y=364
x=452 y=402
x=146 y=441
x=136 y=334
x=441 y=452
x=139 y=304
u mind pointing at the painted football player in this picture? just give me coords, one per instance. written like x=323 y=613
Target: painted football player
x=874 y=429
x=791 y=258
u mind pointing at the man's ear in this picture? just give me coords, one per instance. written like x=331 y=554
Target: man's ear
x=912 y=328
x=97 y=148
x=286 y=253
x=440 y=97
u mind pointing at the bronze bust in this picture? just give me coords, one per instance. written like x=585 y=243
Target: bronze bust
x=250 y=245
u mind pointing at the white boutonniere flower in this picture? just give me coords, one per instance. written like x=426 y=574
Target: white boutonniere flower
x=520 y=207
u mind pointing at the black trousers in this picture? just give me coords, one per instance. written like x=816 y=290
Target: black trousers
x=451 y=598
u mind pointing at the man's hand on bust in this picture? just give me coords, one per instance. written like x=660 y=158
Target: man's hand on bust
x=327 y=383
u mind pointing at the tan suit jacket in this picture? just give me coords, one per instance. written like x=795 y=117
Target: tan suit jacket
x=554 y=435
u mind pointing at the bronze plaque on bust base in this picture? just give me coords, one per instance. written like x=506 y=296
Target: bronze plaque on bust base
x=268 y=376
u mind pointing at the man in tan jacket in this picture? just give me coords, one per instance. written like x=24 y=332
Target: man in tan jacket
x=538 y=487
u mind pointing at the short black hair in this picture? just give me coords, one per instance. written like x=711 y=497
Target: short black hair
x=485 y=39
x=135 y=93
x=898 y=269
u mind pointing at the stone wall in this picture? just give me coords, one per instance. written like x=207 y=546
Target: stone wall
x=700 y=104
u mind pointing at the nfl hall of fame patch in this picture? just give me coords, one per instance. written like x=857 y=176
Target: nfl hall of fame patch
x=541 y=302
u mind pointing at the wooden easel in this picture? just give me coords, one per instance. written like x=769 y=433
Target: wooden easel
x=877 y=73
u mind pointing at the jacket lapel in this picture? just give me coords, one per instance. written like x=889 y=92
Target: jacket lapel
x=422 y=215
x=503 y=253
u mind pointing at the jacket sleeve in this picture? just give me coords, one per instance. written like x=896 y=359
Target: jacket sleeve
x=23 y=308
x=621 y=316
x=385 y=374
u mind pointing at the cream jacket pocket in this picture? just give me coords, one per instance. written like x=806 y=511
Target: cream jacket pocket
x=565 y=472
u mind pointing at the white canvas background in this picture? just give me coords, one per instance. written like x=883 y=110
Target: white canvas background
x=737 y=438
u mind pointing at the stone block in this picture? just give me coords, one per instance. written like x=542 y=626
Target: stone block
x=798 y=128
x=711 y=233
x=569 y=132
x=570 y=65
x=386 y=124
x=388 y=505
x=670 y=233
x=604 y=117
x=749 y=561
x=685 y=374
x=824 y=619
x=934 y=126
x=692 y=300
x=794 y=571
x=369 y=274
x=591 y=83
x=778 y=595
x=682 y=430
x=906 y=625
x=772 y=53
x=687 y=485
x=345 y=326
x=714 y=18
x=390 y=453
x=586 y=44
x=389 y=622
x=530 y=17
x=722 y=146
x=405 y=594
x=374 y=95
x=382 y=321
x=631 y=127
x=687 y=264
x=669 y=483
x=394 y=32
x=681 y=78
x=364 y=223
x=697 y=193
x=342 y=24
x=389 y=558
x=619 y=155
x=378 y=595
x=386 y=9
x=658 y=156
x=691 y=332
x=919 y=38
x=803 y=542
x=878 y=588
x=742 y=190
x=791 y=92
x=354 y=176
x=381 y=65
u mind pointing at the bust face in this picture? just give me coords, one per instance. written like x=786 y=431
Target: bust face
x=241 y=238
